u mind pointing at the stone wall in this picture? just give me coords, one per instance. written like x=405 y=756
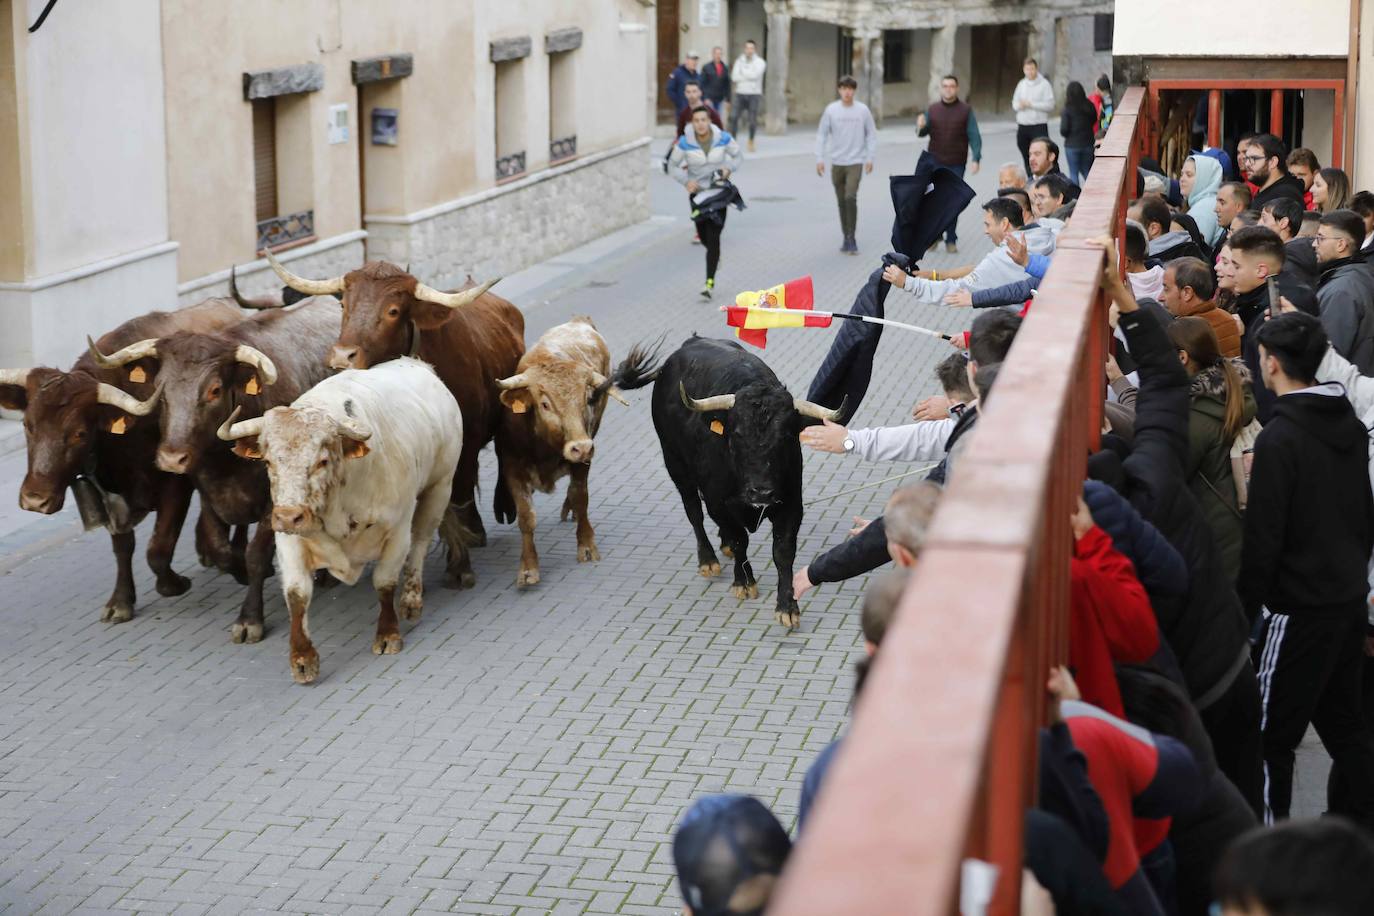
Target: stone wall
x=516 y=225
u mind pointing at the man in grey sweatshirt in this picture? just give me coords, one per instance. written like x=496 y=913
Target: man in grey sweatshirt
x=848 y=139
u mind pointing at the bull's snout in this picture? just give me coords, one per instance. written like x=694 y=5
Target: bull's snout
x=579 y=452
x=174 y=460
x=759 y=496
x=292 y=519
x=33 y=499
x=341 y=357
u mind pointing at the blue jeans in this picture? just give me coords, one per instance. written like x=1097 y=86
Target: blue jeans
x=1079 y=160
x=950 y=236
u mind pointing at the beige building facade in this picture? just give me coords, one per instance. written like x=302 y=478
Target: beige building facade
x=146 y=146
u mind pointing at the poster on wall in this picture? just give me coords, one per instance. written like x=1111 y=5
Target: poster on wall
x=338 y=124
x=708 y=13
x=384 y=126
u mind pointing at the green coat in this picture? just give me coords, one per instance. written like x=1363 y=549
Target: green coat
x=1209 y=460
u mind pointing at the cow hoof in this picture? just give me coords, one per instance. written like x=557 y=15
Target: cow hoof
x=476 y=538
x=205 y=560
x=727 y=552
x=707 y=570
x=789 y=617
x=588 y=554
x=564 y=513
x=252 y=632
x=305 y=667
x=117 y=611
x=239 y=572
x=172 y=585
x=389 y=644
x=527 y=577
x=465 y=579
x=745 y=591
x=324 y=580
x=411 y=603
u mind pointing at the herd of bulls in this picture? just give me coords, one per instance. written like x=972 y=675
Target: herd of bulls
x=344 y=420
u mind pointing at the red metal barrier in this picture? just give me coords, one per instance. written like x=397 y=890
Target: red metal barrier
x=939 y=763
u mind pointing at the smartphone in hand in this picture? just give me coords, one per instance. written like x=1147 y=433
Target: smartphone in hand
x=1273 y=285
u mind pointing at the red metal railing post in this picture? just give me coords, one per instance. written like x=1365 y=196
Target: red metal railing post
x=1214 y=117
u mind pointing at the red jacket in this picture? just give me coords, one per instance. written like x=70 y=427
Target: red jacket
x=1110 y=619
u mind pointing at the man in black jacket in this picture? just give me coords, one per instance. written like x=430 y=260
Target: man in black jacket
x=1258 y=254
x=1284 y=216
x=1206 y=628
x=1345 y=289
x=1309 y=528
x=866 y=549
x=1266 y=157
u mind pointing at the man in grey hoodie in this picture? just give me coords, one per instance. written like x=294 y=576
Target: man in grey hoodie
x=1001 y=217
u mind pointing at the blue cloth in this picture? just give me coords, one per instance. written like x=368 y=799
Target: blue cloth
x=1158 y=564
x=1038 y=266
x=1077 y=161
x=811 y=784
x=677 y=86
x=1013 y=293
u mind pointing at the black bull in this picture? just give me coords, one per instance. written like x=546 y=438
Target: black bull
x=729 y=432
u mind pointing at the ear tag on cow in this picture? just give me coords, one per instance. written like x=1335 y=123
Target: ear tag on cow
x=518 y=406
x=119 y=425
x=252 y=386
x=718 y=427
x=136 y=374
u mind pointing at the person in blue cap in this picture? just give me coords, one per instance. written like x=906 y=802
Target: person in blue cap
x=729 y=852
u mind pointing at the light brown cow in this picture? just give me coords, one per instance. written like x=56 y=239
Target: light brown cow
x=554 y=404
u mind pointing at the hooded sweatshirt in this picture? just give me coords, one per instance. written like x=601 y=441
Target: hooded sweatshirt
x=1148 y=283
x=1175 y=244
x=1202 y=202
x=1300 y=557
x=996 y=269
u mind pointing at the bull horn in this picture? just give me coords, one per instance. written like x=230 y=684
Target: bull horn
x=329 y=287
x=118 y=397
x=602 y=384
x=264 y=302
x=14 y=377
x=229 y=430
x=452 y=300
x=808 y=409
x=259 y=361
x=515 y=381
x=353 y=428
x=129 y=354
x=716 y=402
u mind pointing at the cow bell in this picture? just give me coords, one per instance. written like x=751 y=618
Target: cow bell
x=89 y=503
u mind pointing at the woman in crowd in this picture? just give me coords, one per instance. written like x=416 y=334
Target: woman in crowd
x=1330 y=190
x=1220 y=406
x=703 y=160
x=1078 y=125
x=1198 y=183
x=1303 y=165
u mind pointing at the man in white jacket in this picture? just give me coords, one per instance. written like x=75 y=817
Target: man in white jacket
x=1001 y=217
x=747 y=78
x=1033 y=102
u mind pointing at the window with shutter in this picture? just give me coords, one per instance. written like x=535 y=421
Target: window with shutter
x=265 y=157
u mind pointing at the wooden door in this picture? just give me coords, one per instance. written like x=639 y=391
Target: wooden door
x=667 y=55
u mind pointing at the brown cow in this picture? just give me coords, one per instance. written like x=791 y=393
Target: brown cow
x=84 y=432
x=470 y=337
x=264 y=361
x=556 y=399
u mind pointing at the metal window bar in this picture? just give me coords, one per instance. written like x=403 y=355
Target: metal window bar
x=563 y=148
x=510 y=166
x=282 y=230
x=939 y=763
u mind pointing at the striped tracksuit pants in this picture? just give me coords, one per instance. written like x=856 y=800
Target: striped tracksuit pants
x=1310 y=671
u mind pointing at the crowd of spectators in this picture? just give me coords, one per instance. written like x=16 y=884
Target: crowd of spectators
x=1222 y=567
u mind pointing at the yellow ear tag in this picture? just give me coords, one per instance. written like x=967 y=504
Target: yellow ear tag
x=518 y=407
x=252 y=386
x=718 y=427
x=136 y=374
x=118 y=426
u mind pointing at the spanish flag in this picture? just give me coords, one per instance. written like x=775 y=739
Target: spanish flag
x=782 y=306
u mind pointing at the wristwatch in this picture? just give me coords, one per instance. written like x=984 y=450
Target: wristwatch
x=848 y=444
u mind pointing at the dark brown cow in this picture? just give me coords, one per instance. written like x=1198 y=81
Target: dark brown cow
x=261 y=362
x=84 y=432
x=555 y=402
x=470 y=337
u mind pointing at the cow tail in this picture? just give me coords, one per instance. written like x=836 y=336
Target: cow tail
x=639 y=368
x=502 y=503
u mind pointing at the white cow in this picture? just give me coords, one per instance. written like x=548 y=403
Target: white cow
x=361 y=468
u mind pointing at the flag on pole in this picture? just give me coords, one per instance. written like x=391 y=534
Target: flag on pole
x=756 y=311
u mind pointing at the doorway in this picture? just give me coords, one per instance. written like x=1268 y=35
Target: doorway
x=667 y=56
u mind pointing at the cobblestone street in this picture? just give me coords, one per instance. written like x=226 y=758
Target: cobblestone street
x=527 y=751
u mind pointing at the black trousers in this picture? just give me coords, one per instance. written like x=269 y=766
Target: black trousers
x=1233 y=724
x=710 y=231
x=1311 y=669
x=1025 y=133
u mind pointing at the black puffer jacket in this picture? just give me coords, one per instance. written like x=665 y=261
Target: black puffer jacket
x=1250 y=307
x=1206 y=629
